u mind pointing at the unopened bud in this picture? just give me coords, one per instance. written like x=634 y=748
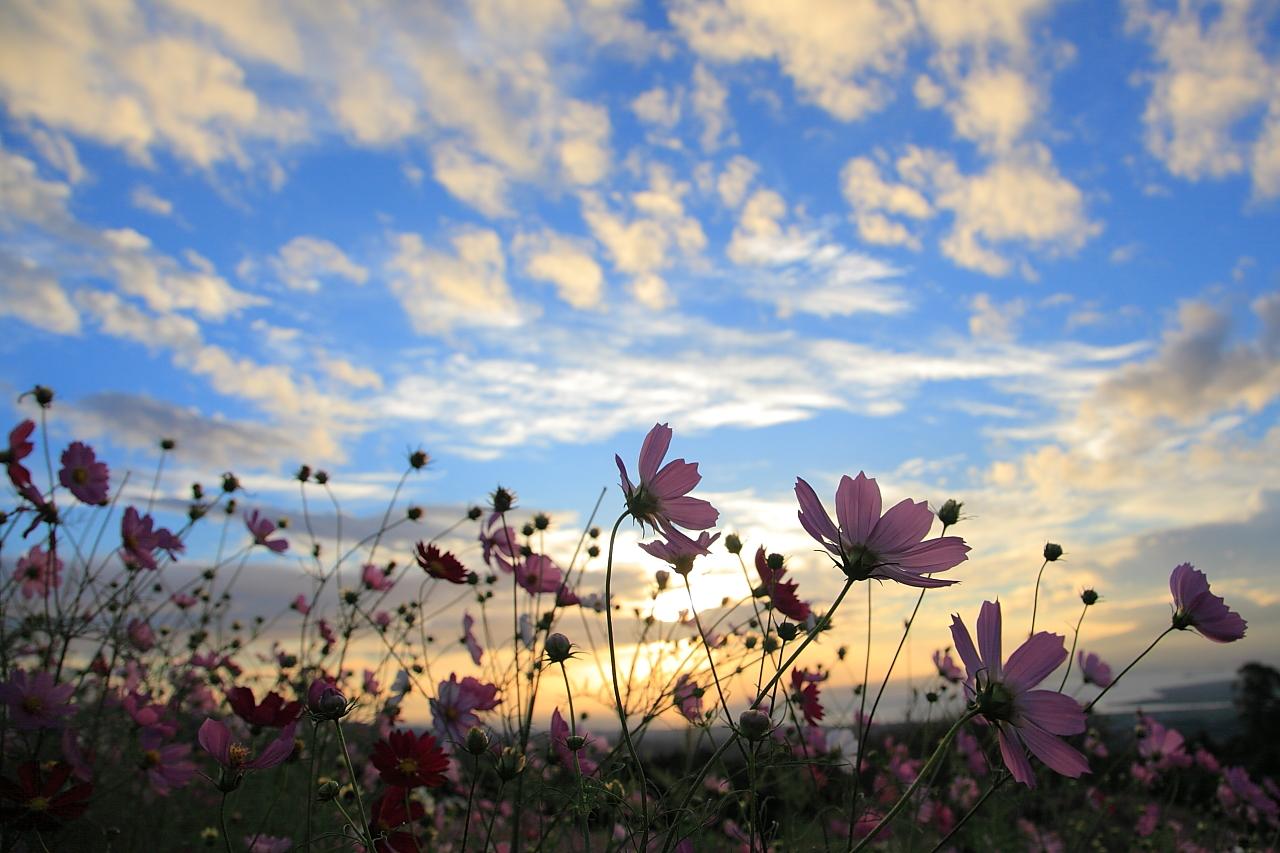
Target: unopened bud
x=477 y=740
x=949 y=514
x=304 y=474
x=419 y=459
x=788 y=631
x=1052 y=551
x=1089 y=597
x=575 y=742
x=542 y=521
x=502 y=500
x=474 y=513
x=327 y=791
x=414 y=513
x=510 y=763
x=322 y=477
x=168 y=444
x=558 y=648
x=754 y=725
x=663 y=577
x=733 y=543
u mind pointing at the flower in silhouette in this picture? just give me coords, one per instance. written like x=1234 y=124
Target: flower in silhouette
x=679 y=550
x=261 y=528
x=454 y=707
x=388 y=813
x=947 y=668
x=781 y=593
x=688 y=698
x=273 y=712
x=868 y=545
x=441 y=564
x=1093 y=669
x=19 y=448
x=804 y=691
x=1195 y=607
x=1002 y=692
x=83 y=475
x=573 y=760
x=407 y=760
x=661 y=498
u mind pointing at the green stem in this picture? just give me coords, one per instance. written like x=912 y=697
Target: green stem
x=925 y=772
x=1075 y=638
x=471 y=798
x=355 y=785
x=310 y=789
x=1035 y=600
x=222 y=822
x=1116 y=680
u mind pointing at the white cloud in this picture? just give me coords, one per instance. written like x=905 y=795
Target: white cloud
x=657 y=106
x=995 y=107
x=349 y=374
x=145 y=198
x=441 y=289
x=304 y=261
x=872 y=197
x=991 y=321
x=583 y=150
x=710 y=103
x=35 y=297
x=59 y=152
x=733 y=182
x=565 y=262
x=481 y=185
x=167 y=286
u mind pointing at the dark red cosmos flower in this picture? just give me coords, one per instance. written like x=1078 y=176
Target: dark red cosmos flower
x=440 y=564
x=804 y=687
x=387 y=814
x=19 y=448
x=273 y=712
x=781 y=593
x=407 y=760
x=37 y=801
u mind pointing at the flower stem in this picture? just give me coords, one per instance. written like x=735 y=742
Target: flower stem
x=355 y=785
x=1114 y=681
x=1035 y=600
x=1071 y=654
x=617 y=691
x=471 y=798
x=925 y=773
x=311 y=783
x=962 y=821
x=222 y=822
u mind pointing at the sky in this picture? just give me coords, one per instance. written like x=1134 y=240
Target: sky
x=1019 y=253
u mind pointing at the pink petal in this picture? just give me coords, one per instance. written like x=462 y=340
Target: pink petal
x=690 y=513
x=215 y=738
x=622 y=469
x=989 y=638
x=1032 y=661
x=964 y=646
x=813 y=515
x=1186 y=582
x=1015 y=757
x=1054 y=752
x=934 y=555
x=909 y=578
x=676 y=478
x=858 y=507
x=901 y=527
x=277 y=751
x=1056 y=713
x=653 y=450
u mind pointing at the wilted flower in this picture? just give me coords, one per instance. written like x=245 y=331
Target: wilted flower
x=867 y=545
x=1004 y=696
x=20 y=447
x=140 y=541
x=804 y=691
x=83 y=475
x=661 y=498
x=1195 y=607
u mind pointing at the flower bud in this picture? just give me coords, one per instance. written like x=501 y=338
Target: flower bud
x=413 y=513
x=558 y=648
x=541 y=521
x=788 y=631
x=304 y=474
x=593 y=551
x=511 y=763
x=775 y=562
x=327 y=790
x=322 y=477
x=663 y=577
x=168 y=444
x=1052 y=551
x=502 y=500
x=526 y=529
x=733 y=543
x=474 y=513
x=949 y=514
x=419 y=459
x=754 y=725
x=325 y=701
x=43 y=395
x=477 y=742
x=575 y=742
x=1089 y=597
x=229 y=482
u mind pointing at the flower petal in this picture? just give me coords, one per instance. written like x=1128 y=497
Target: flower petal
x=813 y=515
x=934 y=555
x=1015 y=757
x=1054 y=752
x=904 y=525
x=909 y=578
x=215 y=738
x=653 y=450
x=1056 y=713
x=989 y=639
x=676 y=478
x=690 y=513
x=858 y=507
x=964 y=646
x=1032 y=661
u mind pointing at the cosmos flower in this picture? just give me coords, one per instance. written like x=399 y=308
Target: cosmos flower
x=1093 y=669
x=572 y=762
x=1161 y=747
x=499 y=544
x=455 y=704
x=273 y=712
x=688 y=698
x=141 y=637
x=441 y=564
x=781 y=593
x=539 y=573
x=388 y=813
x=804 y=691
x=469 y=639
x=38 y=572
x=35 y=700
x=868 y=545
x=83 y=475
x=19 y=448
x=406 y=760
x=267 y=844
x=947 y=668
x=679 y=550
x=37 y=801
x=1195 y=607
x=261 y=528
x=375 y=579
x=1024 y=718
x=215 y=738
x=301 y=605
x=661 y=499
x=167 y=766
x=325 y=701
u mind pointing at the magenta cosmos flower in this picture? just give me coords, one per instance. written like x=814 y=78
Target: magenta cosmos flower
x=261 y=528
x=1195 y=607
x=771 y=570
x=867 y=545
x=454 y=707
x=167 y=766
x=661 y=499
x=1093 y=669
x=687 y=697
x=679 y=550
x=83 y=475
x=140 y=541
x=35 y=700
x=215 y=738
x=1002 y=693
x=20 y=447
x=38 y=572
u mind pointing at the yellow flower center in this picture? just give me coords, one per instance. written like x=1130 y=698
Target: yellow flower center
x=238 y=754
x=151 y=758
x=407 y=765
x=32 y=705
x=80 y=475
x=38 y=804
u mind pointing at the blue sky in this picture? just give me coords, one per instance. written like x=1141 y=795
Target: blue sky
x=1018 y=253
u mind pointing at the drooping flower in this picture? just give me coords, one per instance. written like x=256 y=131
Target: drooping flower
x=235 y=758
x=455 y=704
x=1195 y=607
x=38 y=572
x=1093 y=669
x=688 y=698
x=37 y=801
x=19 y=448
x=573 y=760
x=1002 y=692
x=947 y=668
x=406 y=760
x=35 y=700
x=539 y=573
x=441 y=564
x=83 y=475
x=375 y=579
x=138 y=539
x=804 y=691
x=679 y=550
x=781 y=593
x=499 y=544
x=469 y=639
x=273 y=712
x=167 y=765
x=261 y=528
x=868 y=545
x=661 y=499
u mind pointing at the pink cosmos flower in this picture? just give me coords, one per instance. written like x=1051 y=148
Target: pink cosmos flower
x=38 y=572
x=326 y=632
x=441 y=564
x=455 y=704
x=688 y=698
x=182 y=600
x=167 y=766
x=947 y=668
x=804 y=691
x=141 y=637
x=20 y=447
x=1024 y=718
x=148 y=714
x=1162 y=748
x=140 y=541
x=301 y=605
x=35 y=700
x=469 y=639
x=1195 y=607
x=560 y=743
x=1148 y=820
x=661 y=498
x=215 y=738
x=679 y=550
x=382 y=619
x=867 y=545
x=370 y=684
x=83 y=474
x=1093 y=669
x=974 y=758
x=499 y=545
x=781 y=593
x=261 y=528
x=539 y=573
x=374 y=578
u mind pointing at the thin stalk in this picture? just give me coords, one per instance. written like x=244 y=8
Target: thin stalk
x=1035 y=600
x=960 y=823
x=471 y=798
x=1075 y=637
x=355 y=785
x=1089 y=707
